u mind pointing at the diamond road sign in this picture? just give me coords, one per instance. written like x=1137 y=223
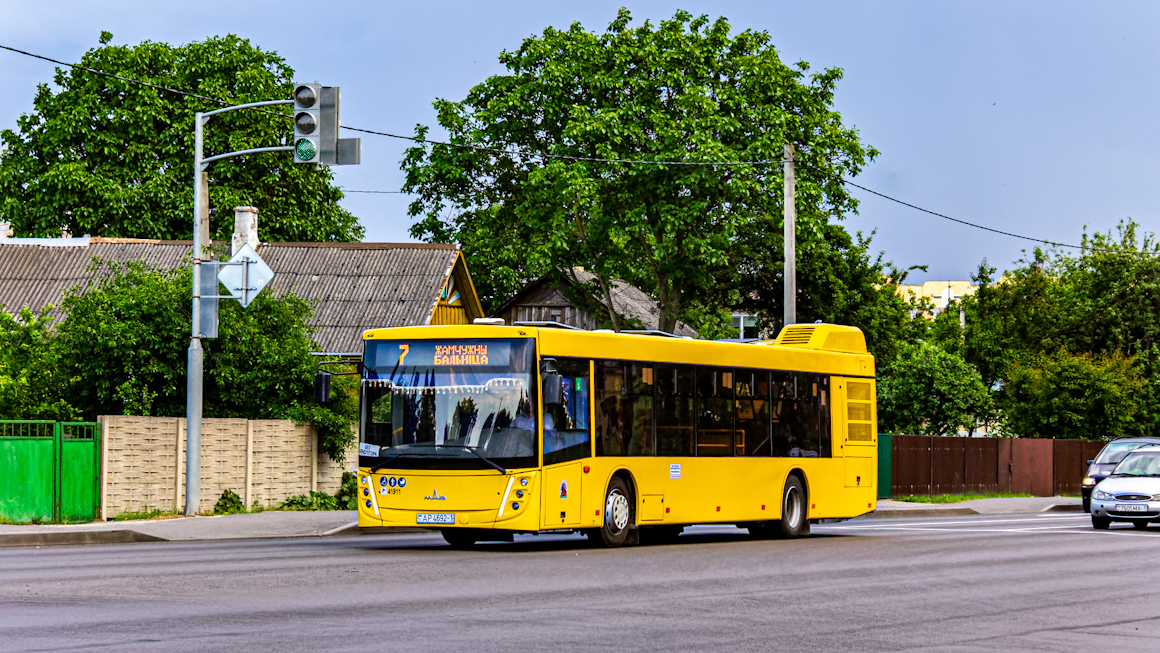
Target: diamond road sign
x=245 y=275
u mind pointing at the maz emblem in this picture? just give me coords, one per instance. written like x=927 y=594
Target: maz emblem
x=435 y=495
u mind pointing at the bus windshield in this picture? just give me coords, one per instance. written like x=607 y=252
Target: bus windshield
x=429 y=404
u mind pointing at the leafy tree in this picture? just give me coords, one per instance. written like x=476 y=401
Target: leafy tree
x=686 y=90
x=124 y=345
x=30 y=375
x=1075 y=396
x=931 y=391
x=107 y=157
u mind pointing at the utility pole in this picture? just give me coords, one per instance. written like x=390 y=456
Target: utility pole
x=789 y=300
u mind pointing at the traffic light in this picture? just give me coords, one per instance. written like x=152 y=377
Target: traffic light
x=307 y=123
x=316 y=127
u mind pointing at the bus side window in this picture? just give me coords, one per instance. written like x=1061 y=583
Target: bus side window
x=752 y=431
x=674 y=410
x=638 y=409
x=566 y=433
x=811 y=421
x=611 y=423
x=783 y=409
x=714 y=411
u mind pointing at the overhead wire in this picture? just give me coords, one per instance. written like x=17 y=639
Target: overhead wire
x=546 y=156
x=416 y=139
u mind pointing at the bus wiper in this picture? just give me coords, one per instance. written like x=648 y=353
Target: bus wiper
x=392 y=459
x=472 y=450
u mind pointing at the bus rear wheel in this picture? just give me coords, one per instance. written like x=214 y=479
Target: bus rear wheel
x=618 y=514
x=793 y=522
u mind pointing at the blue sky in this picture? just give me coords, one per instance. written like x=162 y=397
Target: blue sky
x=1032 y=117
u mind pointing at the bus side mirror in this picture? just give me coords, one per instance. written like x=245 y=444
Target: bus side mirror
x=322 y=387
x=553 y=388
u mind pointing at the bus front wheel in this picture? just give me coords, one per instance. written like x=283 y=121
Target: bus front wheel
x=618 y=517
x=460 y=538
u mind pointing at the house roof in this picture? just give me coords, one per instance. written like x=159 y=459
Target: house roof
x=357 y=285
x=627 y=299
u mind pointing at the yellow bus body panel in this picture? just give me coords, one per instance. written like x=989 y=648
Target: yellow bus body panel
x=668 y=490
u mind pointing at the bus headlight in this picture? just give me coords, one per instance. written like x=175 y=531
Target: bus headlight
x=516 y=506
x=524 y=481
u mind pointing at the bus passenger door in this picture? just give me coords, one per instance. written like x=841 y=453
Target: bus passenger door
x=561 y=490
x=567 y=438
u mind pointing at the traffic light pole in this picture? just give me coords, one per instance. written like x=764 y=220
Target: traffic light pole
x=195 y=355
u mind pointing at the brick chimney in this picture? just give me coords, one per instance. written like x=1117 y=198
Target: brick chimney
x=245 y=228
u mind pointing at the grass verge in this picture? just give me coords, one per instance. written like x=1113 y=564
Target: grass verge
x=956 y=498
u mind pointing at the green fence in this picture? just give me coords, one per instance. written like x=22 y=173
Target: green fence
x=885 y=465
x=49 y=471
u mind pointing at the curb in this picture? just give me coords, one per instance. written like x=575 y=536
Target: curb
x=76 y=537
x=920 y=512
x=1063 y=507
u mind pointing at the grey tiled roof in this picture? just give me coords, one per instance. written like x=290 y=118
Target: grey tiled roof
x=357 y=285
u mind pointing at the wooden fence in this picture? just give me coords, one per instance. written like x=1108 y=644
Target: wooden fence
x=950 y=465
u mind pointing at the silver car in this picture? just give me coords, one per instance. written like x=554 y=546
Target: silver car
x=1131 y=493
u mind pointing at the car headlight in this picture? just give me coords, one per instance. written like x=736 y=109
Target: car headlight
x=1089 y=481
x=1100 y=495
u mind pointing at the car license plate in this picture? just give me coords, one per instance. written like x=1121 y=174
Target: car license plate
x=1131 y=507
x=435 y=518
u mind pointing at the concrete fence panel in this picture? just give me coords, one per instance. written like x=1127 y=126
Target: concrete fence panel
x=262 y=461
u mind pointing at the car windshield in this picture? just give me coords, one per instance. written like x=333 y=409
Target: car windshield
x=463 y=404
x=1139 y=463
x=1114 y=452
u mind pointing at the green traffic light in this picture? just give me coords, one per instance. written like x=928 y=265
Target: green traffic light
x=304 y=149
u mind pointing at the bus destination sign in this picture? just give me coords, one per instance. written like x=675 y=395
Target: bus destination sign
x=432 y=353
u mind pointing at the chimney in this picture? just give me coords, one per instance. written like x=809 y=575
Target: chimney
x=245 y=228
x=5 y=230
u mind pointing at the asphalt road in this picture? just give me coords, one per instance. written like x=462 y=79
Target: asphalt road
x=1027 y=582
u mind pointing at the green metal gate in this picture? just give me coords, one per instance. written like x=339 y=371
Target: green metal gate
x=885 y=465
x=49 y=471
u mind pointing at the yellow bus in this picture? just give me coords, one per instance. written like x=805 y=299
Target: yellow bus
x=484 y=431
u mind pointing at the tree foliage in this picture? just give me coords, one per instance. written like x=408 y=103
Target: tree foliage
x=685 y=90
x=1059 y=317
x=106 y=157
x=929 y=390
x=31 y=380
x=1079 y=396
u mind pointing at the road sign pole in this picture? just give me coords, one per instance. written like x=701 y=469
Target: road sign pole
x=194 y=359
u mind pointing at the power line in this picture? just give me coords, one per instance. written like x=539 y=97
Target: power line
x=997 y=231
x=426 y=141
x=564 y=157
x=947 y=217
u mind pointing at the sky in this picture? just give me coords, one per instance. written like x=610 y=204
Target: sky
x=1038 y=118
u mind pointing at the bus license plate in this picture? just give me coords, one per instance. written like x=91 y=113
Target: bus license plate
x=1131 y=507
x=435 y=518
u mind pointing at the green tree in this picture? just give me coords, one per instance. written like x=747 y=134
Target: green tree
x=106 y=157
x=686 y=90
x=1072 y=396
x=929 y=390
x=123 y=344
x=30 y=375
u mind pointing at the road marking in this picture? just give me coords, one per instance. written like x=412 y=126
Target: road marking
x=972 y=521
